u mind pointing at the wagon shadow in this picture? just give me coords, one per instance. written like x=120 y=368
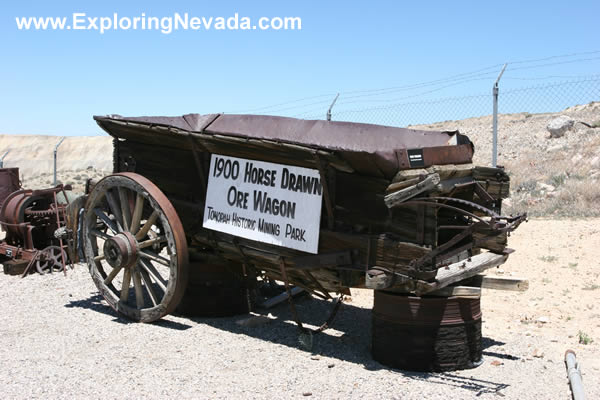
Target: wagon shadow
x=96 y=303
x=478 y=386
x=486 y=343
x=349 y=339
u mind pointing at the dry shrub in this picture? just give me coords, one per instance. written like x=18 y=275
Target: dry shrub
x=569 y=171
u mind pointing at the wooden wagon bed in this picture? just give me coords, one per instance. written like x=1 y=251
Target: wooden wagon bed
x=403 y=209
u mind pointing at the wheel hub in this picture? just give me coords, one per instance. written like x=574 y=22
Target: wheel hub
x=121 y=250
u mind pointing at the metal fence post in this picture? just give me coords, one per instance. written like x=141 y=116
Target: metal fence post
x=2 y=159
x=55 y=151
x=495 y=119
x=331 y=106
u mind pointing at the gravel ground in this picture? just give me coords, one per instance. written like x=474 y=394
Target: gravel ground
x=60 y=340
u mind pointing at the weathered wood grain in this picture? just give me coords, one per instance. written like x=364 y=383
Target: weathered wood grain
x=395 y=198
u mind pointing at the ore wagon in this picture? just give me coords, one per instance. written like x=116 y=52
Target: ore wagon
x=199 y=206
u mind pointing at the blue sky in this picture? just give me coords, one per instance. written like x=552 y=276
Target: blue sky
x=52 y=82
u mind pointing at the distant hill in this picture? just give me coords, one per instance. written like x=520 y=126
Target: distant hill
x=549 y=176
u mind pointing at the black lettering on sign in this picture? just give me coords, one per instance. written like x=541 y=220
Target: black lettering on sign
x=300 y=183
x=415 y=158
x=294 y=233
x=259 y=176
x=229 y=169
x=218 y=216
x=268 y=205
x=268 y=227
x=235 y=198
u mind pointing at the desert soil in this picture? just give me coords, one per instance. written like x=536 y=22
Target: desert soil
x=60 y=339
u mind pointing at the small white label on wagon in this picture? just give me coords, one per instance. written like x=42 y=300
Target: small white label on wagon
x=267 y=202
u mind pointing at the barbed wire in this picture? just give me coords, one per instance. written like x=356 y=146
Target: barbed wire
x=547 y=97
x=303 y=106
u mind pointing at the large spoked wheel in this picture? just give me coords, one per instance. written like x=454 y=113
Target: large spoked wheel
x=135 y=247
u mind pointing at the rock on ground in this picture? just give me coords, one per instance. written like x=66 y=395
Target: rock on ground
x=559 y=126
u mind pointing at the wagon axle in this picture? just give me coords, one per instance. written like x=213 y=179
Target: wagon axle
x=121 y=250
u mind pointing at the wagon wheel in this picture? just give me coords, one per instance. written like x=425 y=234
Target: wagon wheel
x=135 y=247
x=50 y=260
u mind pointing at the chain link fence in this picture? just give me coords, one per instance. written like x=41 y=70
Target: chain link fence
x=549 y=176
x=542 y=98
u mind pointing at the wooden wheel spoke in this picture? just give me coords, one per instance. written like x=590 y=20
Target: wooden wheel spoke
x=99 y=257
x=125 y=287
x=155 y=257
x=150 y=242
x=151 y=269
x=97 y=233
x=106 y=220
x=125 y=210
x=137 y=287
x=149 y=287
x=115 y=209
x=137 y=213
x=112 y=274
x=149 y=222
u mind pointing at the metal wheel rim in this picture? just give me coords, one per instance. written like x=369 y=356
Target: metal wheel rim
x=52 y=260
x=155 y=278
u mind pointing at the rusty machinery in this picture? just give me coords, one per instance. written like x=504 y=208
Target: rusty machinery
x=30 y=219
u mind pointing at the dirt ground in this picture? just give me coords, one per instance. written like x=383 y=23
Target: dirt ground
x=561 y=260
x=61 y=340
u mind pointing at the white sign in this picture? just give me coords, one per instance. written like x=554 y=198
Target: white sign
x=267 y=202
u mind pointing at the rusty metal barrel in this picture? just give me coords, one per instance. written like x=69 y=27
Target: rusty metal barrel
x=215 y=289
x=426 y=333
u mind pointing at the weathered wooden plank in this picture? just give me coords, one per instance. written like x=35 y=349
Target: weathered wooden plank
x=483 y=173
x=495 y=181
x=448 y=185
x=494 y=243
x=466 y=292
x=410 y=174
x=462 y=270
x=498 y=283
x=496 y=189
x=393 y=199
x=451 y=171
x=401 y=185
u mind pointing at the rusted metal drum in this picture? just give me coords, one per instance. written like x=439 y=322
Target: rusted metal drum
x=9 y=182
x=13 y=208
x=216 y=289
x=426 y=333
